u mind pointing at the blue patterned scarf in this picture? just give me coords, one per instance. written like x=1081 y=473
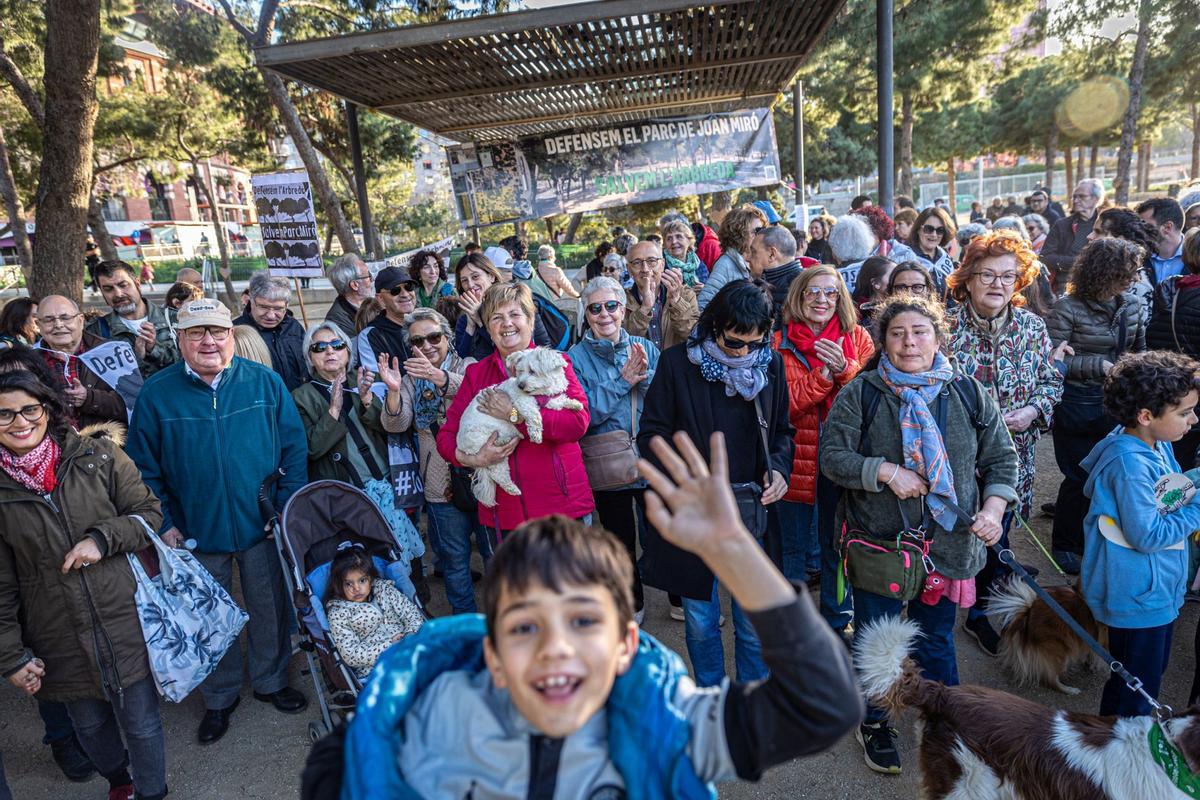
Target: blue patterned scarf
x=921 y=440
x=745 y=375
x=427 y=400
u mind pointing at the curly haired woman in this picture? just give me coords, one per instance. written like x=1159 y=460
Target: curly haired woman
x=1100 y=320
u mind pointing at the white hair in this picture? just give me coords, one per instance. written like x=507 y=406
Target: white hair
x=602 y=283
x=313 y=331
x=851 y=239
x=427 y=315
x=1038 y=220
x=1012 y=224
x=265 y=286
x=344 y=271
x=1096 y=187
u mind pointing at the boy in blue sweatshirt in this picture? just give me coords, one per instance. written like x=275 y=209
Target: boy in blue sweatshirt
x=1135 y=562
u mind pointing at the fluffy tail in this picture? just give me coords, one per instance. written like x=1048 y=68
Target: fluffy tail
x=1010 y=601
x=888 y=676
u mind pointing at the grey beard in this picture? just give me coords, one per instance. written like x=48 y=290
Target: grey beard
x=126 y=310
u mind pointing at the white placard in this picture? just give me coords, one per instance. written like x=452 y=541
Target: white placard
x=288 y=223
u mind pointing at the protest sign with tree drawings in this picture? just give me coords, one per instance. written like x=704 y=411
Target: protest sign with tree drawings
x=288 y=223
x=587 y=169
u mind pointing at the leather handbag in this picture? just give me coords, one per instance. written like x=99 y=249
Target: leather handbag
x=611 y=458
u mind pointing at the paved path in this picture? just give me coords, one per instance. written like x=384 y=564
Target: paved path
x=263 y=752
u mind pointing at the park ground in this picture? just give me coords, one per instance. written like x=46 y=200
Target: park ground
x=262 y=754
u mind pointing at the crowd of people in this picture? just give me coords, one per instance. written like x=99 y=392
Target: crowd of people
x=879 y=374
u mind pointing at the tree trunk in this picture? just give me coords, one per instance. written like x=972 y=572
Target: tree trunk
x=328 y=238
x=65 y=176
x=549 y=230
x=1051 y=152
x=1145 y=161
x=16 y=213
x=1067 y=166
x=1130 y=123
x=952 y=188
x=1093 y=160
x=226 y=271
x=1195 y=172
x=308 y=154
x=906 y=144
x=572 y=227
x=95 y=220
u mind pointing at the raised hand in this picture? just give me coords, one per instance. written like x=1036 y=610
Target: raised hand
x=673 y=280
x=335 y=397
x=831 y=354
x=390 y=372
x=634 y=371
x=365 y=380
x=692 y=506
x=469 y=302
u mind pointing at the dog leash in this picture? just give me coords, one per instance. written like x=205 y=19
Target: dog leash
x=1162 y=711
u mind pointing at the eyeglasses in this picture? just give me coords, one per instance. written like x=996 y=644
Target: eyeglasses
x=610 y=270
x=32 y=413
x=407 y=286
x=645 y=262
x=988 y=278
x=197 y=334
x=61 y=319
x=434 y=339
x=266 y=309
x=915 y=288
x=931 y=230
x=738 y=344
x=610 y=306
x=813 y=292
x=321 y=347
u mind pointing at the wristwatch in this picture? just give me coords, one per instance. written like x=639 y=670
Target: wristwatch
x=513 y=416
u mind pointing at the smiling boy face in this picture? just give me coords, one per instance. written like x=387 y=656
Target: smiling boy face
x=559 y=652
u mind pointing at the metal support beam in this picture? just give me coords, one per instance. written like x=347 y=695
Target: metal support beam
x=798 y=149
x=883 y=49
x=360 y=181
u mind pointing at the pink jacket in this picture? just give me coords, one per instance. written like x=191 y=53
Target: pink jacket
x=551 y=474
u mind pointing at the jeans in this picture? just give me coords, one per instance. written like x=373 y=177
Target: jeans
x=1080 y=422
x=702 y=632
x=623 y=513
x=934 y=649
x=838 y=615
x=100 y=724
x=801 y=552
x=450 y=534
x=1145 y=653
x=267 y=630
x=57 y=721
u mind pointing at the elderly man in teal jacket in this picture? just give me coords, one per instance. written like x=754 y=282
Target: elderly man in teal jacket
x=205 y=434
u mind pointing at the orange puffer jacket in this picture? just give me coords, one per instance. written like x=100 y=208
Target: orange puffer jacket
x=806 y=389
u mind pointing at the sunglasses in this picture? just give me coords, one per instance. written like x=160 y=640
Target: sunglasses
x=321 y=347
x=433 y=338
x=813 y=292
x=738 y=344
x=930 y=230
x=407 y=286
x=610 y=306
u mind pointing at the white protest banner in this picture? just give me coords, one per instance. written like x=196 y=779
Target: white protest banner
x=401 y=259
x=115 y=364
x=288 y=224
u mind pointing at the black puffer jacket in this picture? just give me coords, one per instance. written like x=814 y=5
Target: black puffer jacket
x=1097 y=332
x=286 y=343
x=1175 y=321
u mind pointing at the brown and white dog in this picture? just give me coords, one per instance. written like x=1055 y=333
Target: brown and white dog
x=984 y=744
x=1036 y=646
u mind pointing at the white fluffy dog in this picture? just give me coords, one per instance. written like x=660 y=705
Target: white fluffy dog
x=539 y=372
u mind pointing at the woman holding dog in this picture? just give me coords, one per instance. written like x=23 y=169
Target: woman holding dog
x=419 y=392
x=905 y=440
x=550 y=473
x=615 y=370
x=1007 y=349
x=726 y=378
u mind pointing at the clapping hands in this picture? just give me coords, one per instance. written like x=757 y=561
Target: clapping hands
x=636 y=366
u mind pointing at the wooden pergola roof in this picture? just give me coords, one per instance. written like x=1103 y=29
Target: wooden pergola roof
x=596 y=63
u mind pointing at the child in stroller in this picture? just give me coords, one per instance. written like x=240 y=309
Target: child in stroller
x=366 y=614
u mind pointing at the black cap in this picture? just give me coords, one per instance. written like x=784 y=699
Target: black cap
x=389 y=278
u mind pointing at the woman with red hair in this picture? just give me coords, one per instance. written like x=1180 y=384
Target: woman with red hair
x=1008 y=350
x=885 y=233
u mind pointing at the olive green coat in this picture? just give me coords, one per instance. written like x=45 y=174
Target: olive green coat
x=82 y=625
x=329 y=440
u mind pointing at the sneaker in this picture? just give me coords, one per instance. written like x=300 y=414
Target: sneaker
x=122 y=792
x=69 y=756
x=677 y=613
x=879 y=747
x=1191 y=596
x=1049 y=508
x=1068 y=562
x=984 y=635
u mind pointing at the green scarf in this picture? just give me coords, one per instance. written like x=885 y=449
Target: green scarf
x=429 y=300
x=688 y=266
x=1167 y=756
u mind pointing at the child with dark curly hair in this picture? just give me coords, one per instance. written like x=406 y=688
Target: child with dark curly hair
x=1135 y=558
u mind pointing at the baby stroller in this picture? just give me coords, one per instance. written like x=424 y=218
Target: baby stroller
x=315 y=520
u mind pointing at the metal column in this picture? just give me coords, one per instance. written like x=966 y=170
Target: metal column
x=360 y=180
x=798 y=147
x=883 y=50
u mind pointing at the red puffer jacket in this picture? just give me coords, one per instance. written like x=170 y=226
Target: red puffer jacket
x=806 y=389
x=551 y=474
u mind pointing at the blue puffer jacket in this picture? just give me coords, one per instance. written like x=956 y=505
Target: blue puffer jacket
x=205 y=453
x=640 y=714
x=598 y=364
